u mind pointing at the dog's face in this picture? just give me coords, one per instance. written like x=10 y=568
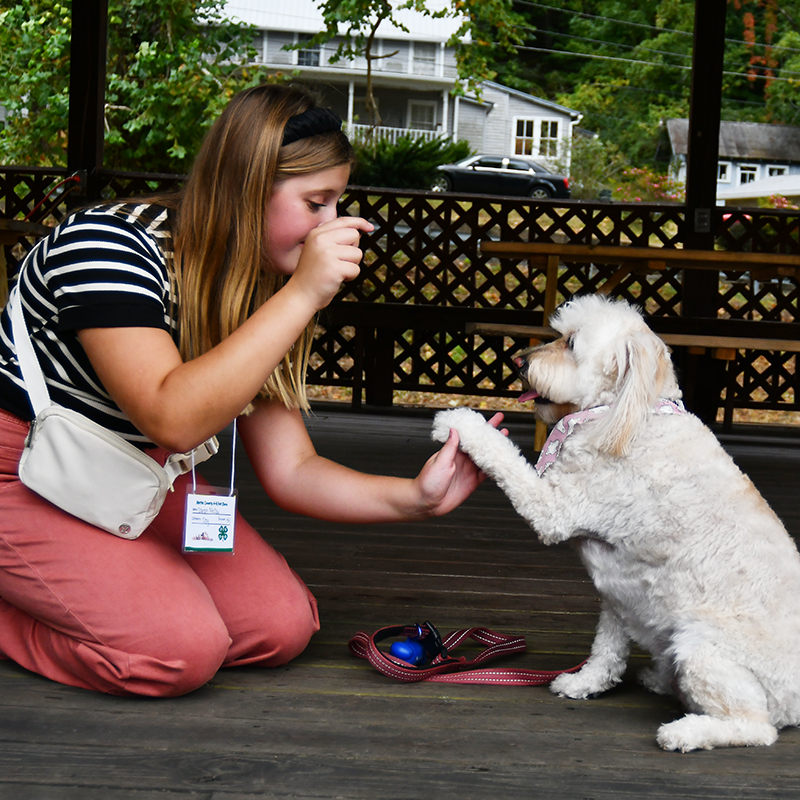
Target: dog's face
x=606 y=356
x=543 y=369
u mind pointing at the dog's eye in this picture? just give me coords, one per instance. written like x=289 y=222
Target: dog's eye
x=571 y=342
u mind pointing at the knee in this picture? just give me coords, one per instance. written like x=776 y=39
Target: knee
x=275 y=639
x=188 y=660
x=289 y=640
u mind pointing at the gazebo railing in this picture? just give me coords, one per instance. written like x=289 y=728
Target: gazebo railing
x=401 y=325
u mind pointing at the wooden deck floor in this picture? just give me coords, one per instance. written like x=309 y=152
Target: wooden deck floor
x=327 y=726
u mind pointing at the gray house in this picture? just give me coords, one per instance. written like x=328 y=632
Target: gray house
x=413 y=82
x=755 y=159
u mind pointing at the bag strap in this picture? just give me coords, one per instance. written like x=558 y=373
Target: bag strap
x=445 y=668
x=28 y=362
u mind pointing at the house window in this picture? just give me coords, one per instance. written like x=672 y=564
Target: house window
x=275 y=43
x=394 y=56
x=259 y=45
x=422 y=115
x=774 y=172
x=424 y=58
x=524 y=143
x=723 y=172
x=548 y=139
x=308 y=56
x=747 y=173
x=536 y=137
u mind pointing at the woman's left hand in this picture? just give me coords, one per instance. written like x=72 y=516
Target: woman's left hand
x=449 y=477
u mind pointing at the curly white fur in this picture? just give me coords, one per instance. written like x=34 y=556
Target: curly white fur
x=689 y=560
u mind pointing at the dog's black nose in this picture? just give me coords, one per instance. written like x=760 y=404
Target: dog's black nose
x=522 y=366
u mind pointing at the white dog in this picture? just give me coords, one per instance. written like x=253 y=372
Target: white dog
x=688 y=558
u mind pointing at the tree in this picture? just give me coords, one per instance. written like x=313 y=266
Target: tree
x=595 y=167
x=485 y=28
x=626 y=64
x=34 y=58
x=172 y=66
x=783 y=96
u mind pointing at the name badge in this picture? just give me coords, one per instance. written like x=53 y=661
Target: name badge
x=210 y=520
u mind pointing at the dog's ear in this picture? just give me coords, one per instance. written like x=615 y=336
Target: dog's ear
x=643 y=368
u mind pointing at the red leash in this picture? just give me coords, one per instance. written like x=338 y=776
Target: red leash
x=444 y=667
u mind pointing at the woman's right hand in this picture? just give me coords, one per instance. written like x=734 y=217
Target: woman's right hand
x=330 y=256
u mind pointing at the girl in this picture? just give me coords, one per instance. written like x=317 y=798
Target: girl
x=165 y=321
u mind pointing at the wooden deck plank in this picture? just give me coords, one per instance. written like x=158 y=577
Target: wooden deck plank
x=240 y=729
x=328 y=726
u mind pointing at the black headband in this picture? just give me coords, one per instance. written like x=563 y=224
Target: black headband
x=311 y=123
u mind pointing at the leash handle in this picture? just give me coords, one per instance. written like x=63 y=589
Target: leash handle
x=449 y=669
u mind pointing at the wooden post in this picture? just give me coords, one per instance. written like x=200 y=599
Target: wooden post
x=701 y=289
x=550 y=294
x=87 y=93
x=704 y=119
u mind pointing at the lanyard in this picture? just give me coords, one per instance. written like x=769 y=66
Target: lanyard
x=210 y=518
x=233 y=464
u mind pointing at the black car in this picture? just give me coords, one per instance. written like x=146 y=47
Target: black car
x=509 y=175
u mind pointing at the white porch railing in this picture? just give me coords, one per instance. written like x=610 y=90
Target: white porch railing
x=359 y=132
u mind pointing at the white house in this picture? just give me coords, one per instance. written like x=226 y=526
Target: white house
x=755 y=159
x=413 y=82
x=786 y=186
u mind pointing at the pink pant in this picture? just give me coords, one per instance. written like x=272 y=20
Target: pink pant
x=86 y=608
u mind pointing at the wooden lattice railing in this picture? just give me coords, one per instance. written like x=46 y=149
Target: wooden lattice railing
x=401 y=324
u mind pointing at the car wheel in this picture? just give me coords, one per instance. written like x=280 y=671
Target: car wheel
x=441 y=184
x=540 y=193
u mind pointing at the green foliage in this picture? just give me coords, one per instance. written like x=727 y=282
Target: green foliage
x=600 y=170
x=489 y=29
x=408 y=164
x=626 y=65
x=34 y=60
x=783 y=96
x=172 y=66
x=595 y=167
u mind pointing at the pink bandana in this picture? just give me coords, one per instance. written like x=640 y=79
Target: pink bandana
x=566 y=425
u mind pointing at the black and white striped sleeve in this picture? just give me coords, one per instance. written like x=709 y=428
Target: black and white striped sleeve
x=105 y=271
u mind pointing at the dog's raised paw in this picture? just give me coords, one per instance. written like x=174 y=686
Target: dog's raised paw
x=460 y=419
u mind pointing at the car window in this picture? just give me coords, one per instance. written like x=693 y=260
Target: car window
x=491 y=163
x=520 y=166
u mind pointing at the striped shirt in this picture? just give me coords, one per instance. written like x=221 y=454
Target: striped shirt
x=100 y=268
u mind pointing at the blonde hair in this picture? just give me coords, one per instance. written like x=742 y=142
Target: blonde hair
x=220 y=215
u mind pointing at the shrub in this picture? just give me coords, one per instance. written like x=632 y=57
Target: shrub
x=594 y=167
x=777 y=201
x=643 y=185
x=409 y=163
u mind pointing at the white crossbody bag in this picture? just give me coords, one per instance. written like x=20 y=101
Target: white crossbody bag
x=83 y=468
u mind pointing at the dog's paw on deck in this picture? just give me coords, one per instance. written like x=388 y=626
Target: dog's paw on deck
x=704 y=732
